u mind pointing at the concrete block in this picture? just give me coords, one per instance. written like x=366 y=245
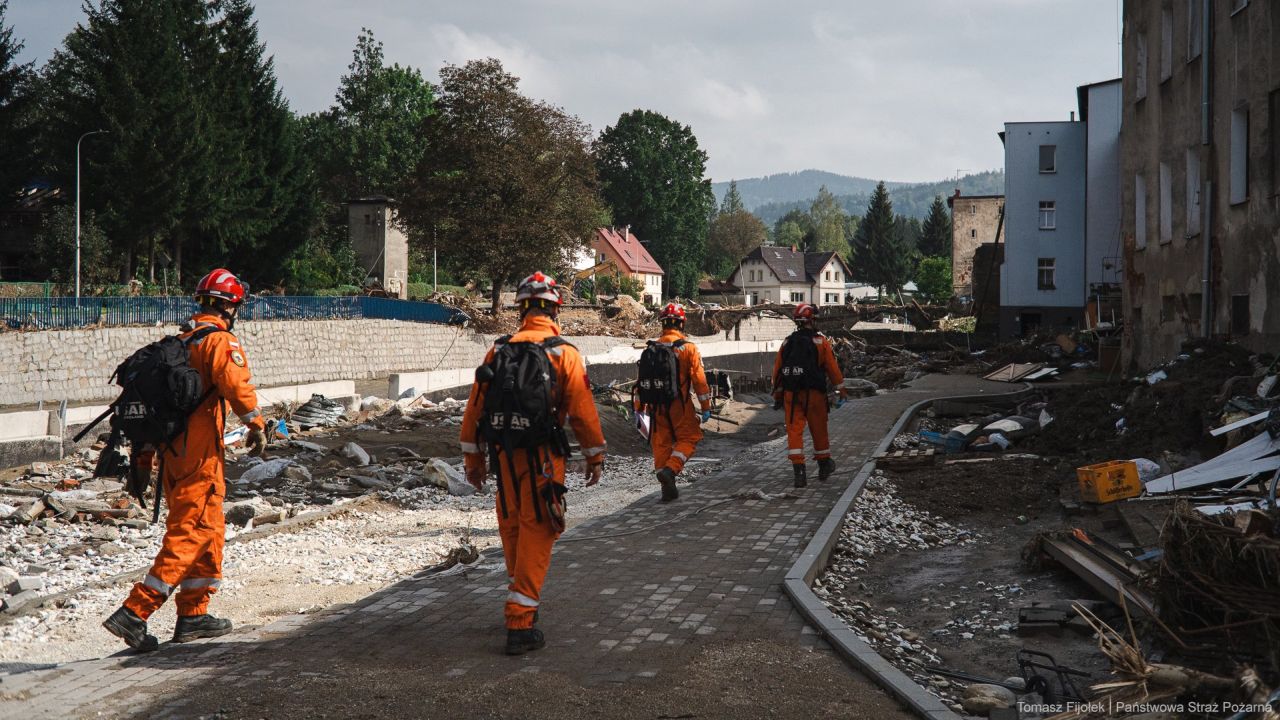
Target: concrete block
x=303 y=393
x=24 y=425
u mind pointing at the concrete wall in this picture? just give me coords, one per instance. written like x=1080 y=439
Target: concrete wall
x=1026 y=243
x=973 y=222
x=1164 y=287
x=381 y=246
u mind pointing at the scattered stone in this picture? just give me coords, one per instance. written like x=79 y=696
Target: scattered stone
x=39 y=469
x=265 y=470
x=105 y=533
x=355 y=452
x=239 y=514
x=371 y=483
x=110 y=549
x=7 y=576
x=304 y=445
x=297 y=473
x=25 y=583
x=980 y=699
x=17 y=602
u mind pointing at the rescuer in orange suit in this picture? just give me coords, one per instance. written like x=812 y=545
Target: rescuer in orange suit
x=675 y=429
x=530 y=509
x=801 y=371
x=190 y=558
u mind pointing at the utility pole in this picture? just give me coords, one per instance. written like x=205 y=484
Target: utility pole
x=82 y=137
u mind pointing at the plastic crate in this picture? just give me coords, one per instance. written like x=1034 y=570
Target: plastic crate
x=1109 y=481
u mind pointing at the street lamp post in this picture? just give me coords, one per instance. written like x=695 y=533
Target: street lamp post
x=82 y=137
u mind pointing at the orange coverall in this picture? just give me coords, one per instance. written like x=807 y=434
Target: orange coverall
x=190 y=557
x=675 y=431
x=808 y=406
x=526 y=537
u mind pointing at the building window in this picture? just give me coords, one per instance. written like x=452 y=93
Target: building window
x=1048 y=214
x=826 y=275
x=797 y=297
x=1193 y=192
x=1166 y=44
x=1045 y=274
x=1048 y=158
x=1140 y=67
x=1139 y=212
x=1239 y=155
x=1195 y=18
x=1168 y=308
x=1166 y=204
x=973 y=233
x=1239 y=315
x=973 y=208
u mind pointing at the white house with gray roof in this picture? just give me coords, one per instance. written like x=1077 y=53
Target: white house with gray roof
x=785 y=275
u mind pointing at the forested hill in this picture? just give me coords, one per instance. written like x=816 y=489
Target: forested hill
x=772 y=196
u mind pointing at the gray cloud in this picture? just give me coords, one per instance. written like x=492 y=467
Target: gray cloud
x=907 y=90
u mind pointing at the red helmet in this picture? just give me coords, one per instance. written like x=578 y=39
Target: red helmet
x=538 y=287
x=673 y=311
x=223 y=285
x=804 y=311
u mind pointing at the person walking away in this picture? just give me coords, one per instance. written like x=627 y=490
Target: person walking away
x=670 y=372
x=192 y=475
x=529 y=384
x=804 y=366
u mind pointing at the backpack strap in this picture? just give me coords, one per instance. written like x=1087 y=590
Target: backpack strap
x=502 y=340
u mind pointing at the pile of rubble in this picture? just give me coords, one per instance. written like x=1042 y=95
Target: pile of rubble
x=891 y=367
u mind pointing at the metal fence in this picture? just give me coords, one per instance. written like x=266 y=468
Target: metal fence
x=63 y=312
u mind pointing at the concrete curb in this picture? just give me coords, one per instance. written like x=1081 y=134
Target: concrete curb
x=814 y=559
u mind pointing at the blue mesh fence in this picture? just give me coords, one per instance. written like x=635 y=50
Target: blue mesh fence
x=63 y=312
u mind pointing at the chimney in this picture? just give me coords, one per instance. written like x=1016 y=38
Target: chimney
x=626 y=234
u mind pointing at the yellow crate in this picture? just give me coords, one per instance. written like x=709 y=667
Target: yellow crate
x=1109 y=481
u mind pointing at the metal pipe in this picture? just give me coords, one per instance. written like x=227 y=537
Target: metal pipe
x=1205 y=39
x=1206 y=281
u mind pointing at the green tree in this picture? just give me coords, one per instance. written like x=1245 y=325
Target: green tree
x=732 y=200
x=733 y=235
x=828 y=220
x=653 y=177
x=509 y=186
x=200 y=153
x=16 y=150
x=935 y=233
x=882 y=255
x=933 y=279
x=795 y=229
x=54 y=249
x=370 y=141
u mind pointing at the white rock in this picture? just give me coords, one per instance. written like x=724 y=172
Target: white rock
x=355 y=452
x=266 y=470
x=981 y=699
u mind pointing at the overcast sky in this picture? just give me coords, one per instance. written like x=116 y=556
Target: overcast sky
x=907 y=90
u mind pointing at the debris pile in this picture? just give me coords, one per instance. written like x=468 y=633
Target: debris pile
x=888 y=366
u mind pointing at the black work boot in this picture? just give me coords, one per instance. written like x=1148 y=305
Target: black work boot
x=668 y=480
x=520 y=642
x=826 y=466
x=132 y=629
x=194 y=627
x=801 y=480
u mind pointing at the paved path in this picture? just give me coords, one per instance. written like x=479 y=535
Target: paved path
x=657 y=611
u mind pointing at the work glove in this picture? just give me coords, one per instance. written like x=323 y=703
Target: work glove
x=706 y=415
x=256 y=442
x=475 y=476
x=593 y=473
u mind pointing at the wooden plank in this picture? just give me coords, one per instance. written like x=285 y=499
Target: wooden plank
x=1239 y=424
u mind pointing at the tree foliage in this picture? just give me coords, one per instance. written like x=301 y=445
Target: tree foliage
x=935 y=233
x=653 y=177
x=732 y=200
x=828 y=221
x=933 y=279
x=200 y=154
x=881 y=254
x=733 y=235
x=53 y=254
x=509 y=186
x=16 y=149
x=795 y=229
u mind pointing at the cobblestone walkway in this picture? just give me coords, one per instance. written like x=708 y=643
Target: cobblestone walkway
x=660 y=610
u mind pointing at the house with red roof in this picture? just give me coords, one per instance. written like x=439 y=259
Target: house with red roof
x=625 y=250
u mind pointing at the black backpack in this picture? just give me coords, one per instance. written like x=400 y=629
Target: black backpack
x=658 y=384
x=159 y=391
x=800 y=369
x=521 y=408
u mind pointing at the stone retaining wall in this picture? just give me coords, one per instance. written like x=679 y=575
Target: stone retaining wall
x=75 y=365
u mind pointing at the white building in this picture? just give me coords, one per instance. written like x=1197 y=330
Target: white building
x=784 y=275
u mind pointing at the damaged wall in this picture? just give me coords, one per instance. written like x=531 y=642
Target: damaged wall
x=1166 y=164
